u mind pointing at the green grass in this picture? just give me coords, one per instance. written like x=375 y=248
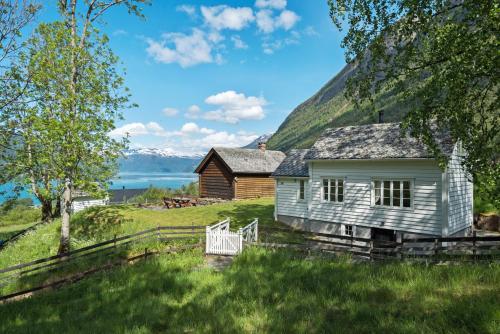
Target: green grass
x=9 y=230
x=267 y=292
x=103 y=223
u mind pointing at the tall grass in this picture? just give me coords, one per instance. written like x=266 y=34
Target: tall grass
x=267 y=292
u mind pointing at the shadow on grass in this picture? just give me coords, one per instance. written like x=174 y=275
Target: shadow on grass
x=266 y=292
x=98 y=223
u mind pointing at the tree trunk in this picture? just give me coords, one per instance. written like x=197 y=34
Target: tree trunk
x=46 y=211
x=66 y=216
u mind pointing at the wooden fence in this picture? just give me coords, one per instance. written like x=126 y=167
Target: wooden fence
x=221 y=241
x=473 y=248
x=106 y=250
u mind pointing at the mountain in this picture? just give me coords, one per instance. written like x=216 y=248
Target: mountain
x=329 y=108
x=261 y=139
x=157 y=160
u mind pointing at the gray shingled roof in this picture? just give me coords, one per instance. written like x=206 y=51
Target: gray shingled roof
x=241 y=160
x=293 y=165
x=373 y=141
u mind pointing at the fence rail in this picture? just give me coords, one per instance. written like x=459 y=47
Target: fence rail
x=102 y=249
x=471 y=248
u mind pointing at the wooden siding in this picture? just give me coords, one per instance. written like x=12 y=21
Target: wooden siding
x=459 y=194
x=424 y=217
x=287 y=201
x=215 y=180
x=249 y=186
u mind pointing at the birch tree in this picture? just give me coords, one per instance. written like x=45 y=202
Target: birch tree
x=439 y=56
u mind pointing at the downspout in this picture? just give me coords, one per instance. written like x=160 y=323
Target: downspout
x=444 y=203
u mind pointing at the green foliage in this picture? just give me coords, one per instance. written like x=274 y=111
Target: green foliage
x=441 y=58
x=156 y=195
x=19 y=212
x=267 y=292
x=329 y=108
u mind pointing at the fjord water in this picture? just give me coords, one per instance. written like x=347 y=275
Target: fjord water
x=129 y=180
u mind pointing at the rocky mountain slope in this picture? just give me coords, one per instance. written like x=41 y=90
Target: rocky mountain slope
x=329 y=108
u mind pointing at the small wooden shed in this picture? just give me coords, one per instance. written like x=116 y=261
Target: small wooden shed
x=232 y=173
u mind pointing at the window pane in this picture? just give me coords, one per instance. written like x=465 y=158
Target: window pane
x=340 y=190
x=302 y=189
x=406 y=203
x=325 y=190
x=396 y=193
x=332 y=190
x=406 y=194
x=387 y=193
x=378 y=200
x=341 y=198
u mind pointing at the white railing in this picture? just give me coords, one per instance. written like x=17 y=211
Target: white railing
x=221 y=241
x=250 y=232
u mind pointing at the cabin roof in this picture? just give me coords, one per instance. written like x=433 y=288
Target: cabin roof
x=373 y=141
x=293 y=165
x=245 y=161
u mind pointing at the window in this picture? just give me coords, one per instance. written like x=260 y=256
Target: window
x=348 y=230
x=333 y=190
x=302 y=189
x=392 y=193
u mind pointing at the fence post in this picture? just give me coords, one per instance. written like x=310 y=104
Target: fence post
x=436 y=247
x=256 y=230
x=371 y=249
x=474 y=245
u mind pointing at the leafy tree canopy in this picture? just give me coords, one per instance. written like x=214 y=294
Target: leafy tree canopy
x=442 y=56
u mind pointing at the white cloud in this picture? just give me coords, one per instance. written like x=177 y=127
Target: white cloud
x=269 y=45
x=310 y=31
x=277 y=4
x=267 y=23
x=120 y=32
x=234 y=107
x=193 y=128
x=187 y=50
x=287 y=19
x=225 y=17
x=193 y=112
x=238 y=42
x=138 y=129
x=188 y=9
x=170 y=112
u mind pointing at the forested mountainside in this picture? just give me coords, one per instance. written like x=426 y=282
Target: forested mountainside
x=330 y=108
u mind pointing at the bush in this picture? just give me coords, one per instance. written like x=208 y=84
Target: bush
x=18 y=212
x=155 y=195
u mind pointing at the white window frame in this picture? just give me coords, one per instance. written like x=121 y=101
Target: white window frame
x=391 y=193
x=344 y=229
x=329 y=179
x=305 y=190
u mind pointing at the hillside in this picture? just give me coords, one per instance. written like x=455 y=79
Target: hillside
x=329 y=108
x=262 y=139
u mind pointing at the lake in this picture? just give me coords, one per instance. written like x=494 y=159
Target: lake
x=135 y=180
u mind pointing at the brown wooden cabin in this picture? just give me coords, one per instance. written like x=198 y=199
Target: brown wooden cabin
x=232 y=173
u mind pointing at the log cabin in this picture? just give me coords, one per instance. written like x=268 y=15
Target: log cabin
x=237 y=173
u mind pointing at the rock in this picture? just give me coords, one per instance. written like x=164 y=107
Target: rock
x=488 y=222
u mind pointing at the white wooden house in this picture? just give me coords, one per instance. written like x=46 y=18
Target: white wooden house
x=368 y=181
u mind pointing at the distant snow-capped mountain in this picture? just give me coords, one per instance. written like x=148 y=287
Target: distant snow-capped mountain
x=158 y=160
x=262 y=139
x=160 y=152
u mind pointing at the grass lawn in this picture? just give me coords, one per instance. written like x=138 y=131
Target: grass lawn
x=267 y=292
x=99 y=224
x=6 y=231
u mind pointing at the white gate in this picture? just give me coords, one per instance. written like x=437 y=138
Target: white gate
x=221 y=241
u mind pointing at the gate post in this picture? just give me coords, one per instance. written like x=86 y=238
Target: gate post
x=240 y=241
x=207 y=240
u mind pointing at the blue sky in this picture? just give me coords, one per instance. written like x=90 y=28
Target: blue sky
x=211 y=73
